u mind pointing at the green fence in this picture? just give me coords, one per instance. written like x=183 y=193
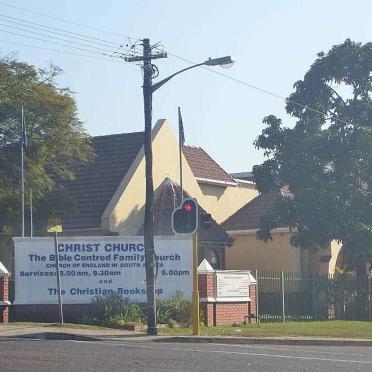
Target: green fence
x=289 y=296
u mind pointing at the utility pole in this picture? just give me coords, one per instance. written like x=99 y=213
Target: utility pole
x=148 y=72
x=149 y=207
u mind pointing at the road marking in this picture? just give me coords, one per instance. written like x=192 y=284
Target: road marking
x=226 y=352
x=286 y=349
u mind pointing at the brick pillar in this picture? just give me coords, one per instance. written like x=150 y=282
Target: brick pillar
x=206 y=293
x=4 y=299
x=253 y=297
x=252 y=307
x=206 y=285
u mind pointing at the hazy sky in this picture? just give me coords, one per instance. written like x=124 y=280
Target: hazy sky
x=274 y=43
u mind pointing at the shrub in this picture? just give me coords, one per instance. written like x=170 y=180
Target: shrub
x=175 y=309
x=111 y=309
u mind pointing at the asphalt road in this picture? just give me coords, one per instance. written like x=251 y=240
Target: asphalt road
x=132 y=355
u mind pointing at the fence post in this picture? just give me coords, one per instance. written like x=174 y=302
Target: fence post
x=257 y=313
x=370 y=299
x=283 y=292
x=313 y=280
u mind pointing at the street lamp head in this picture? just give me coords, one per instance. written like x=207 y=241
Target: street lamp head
x=222 y=61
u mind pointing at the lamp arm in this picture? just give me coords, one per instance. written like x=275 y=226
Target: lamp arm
x=157 y=85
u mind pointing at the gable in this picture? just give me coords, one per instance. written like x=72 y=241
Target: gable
x=96 y=182
x=125 y=211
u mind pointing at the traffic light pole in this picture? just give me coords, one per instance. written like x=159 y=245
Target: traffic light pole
x=195 y=292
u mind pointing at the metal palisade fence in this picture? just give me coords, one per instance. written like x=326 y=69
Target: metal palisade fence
x=286 y=296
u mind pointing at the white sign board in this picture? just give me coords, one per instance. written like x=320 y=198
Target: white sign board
x=95 y=266
x=232 y=286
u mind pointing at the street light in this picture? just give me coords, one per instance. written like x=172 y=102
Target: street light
x=222 y=61
x=148 y=90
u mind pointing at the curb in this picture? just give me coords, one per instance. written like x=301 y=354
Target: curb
x=58 y=336
x=198 y=339
x=267 y=341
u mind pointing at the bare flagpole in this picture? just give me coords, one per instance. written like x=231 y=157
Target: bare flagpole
x=31 y=217
x=181 y=141
x=22 y=142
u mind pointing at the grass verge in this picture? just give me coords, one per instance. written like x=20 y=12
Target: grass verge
x=334 y=329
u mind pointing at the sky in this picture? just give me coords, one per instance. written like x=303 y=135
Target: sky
x=274 y=43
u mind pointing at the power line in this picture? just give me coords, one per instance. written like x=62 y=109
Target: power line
x=172 y=54
x=63 y=51
x=60 y=44
x=60 y=39
x=261 y=90
x=65 y=20
x=41 y=27
x=131 y=49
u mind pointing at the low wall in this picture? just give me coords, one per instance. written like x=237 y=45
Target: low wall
x=217 y=312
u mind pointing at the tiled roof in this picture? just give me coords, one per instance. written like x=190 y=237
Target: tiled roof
x=245 y=176
x=169 y=197
x=203 y=166
x=249 y=216
x=97 y=181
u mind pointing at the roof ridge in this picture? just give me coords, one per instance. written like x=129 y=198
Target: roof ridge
x=117 y=134
x=193 y=147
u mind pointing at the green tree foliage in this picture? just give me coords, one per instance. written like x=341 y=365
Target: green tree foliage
x=325 y=159
x=56 y=138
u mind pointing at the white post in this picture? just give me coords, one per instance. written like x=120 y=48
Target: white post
x=60 y=306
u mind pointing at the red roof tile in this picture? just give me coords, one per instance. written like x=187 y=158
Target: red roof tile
x=203 y=166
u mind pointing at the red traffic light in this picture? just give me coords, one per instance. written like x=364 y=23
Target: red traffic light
x=187 y=207
x=185 y=219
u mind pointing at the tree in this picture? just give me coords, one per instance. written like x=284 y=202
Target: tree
x=325 y=159
x=55 y=137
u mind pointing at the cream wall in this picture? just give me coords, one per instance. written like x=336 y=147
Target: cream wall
x=321 y=260
x=249 y=253
x=125 y=212
x=278 y=255
x=223 y=201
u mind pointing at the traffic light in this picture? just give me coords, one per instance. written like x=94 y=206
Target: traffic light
x=185 y=219
x=205 y=221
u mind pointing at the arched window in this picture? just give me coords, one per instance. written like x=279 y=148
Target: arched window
x=211 y=255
